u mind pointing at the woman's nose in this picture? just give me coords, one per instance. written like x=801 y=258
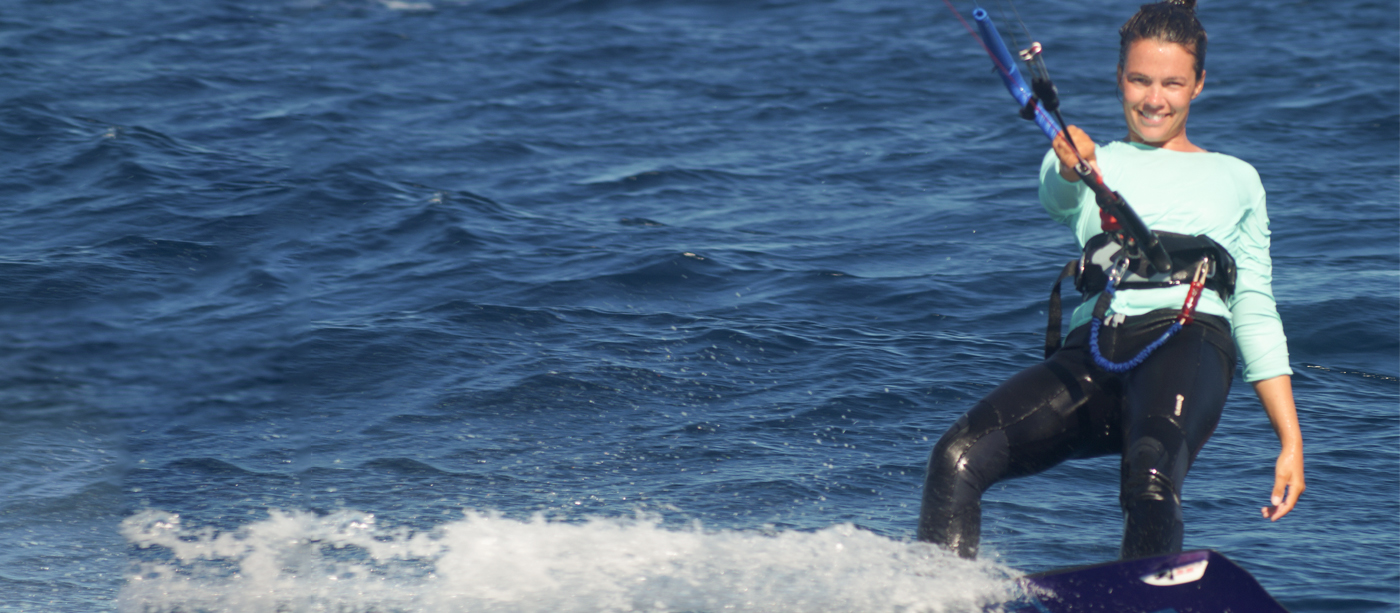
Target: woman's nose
x=1155 y=96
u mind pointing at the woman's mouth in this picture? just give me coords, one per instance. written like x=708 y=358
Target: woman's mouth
x=1152 y=118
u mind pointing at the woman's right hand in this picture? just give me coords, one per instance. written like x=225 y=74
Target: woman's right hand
x=1067 y=158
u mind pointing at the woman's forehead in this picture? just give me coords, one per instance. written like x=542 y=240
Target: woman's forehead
x=1155 y=55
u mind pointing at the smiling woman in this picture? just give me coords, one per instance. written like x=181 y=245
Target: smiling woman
x=1161 y=69
x=1137 y=376
x=278 y=268
x=1158 y=84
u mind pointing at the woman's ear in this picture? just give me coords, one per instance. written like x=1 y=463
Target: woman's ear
x=1200 y=85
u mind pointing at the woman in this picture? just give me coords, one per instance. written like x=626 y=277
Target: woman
x=1159 y=413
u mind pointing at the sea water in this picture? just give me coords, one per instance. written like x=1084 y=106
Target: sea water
x=625 y=305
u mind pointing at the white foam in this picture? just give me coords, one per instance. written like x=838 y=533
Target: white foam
x=399 y=5
x=300 y=561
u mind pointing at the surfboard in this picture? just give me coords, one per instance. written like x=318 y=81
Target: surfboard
x=1201 y=581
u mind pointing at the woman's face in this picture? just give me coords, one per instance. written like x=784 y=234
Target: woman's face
x=1159 y=82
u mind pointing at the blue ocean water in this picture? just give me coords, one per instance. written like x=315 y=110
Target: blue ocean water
x=624 y=305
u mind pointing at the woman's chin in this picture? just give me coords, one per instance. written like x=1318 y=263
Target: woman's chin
x=1151 y=138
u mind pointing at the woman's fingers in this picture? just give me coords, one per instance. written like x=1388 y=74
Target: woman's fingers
x=1070 y=156
x=1082 y=142
x=1288 y=485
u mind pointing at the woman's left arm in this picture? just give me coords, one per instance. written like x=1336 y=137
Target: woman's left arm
x=1276 y=394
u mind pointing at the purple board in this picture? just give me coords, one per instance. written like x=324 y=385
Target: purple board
x=1200 y=581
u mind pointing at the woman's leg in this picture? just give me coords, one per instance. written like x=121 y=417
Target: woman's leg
x=1043 y=415
x=1172 y=403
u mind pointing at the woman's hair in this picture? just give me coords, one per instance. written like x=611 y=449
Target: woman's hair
x=1172 y=21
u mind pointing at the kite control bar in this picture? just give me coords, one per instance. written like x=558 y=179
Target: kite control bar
x=1040 y=103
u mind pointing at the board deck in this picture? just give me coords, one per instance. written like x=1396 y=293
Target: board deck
x=1201 y=581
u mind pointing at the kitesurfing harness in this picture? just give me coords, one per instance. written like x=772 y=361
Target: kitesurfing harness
x=1107 y=266
x=1127 y=255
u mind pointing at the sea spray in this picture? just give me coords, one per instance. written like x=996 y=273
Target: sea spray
x=344 y=561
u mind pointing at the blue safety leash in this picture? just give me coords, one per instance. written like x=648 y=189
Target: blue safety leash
x=1186 y=316
x=1122 y=367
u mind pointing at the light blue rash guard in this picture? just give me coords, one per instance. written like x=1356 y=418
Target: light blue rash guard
x=1213 y=194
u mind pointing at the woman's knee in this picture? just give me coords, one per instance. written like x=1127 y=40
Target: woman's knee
x=1152 y=472
x=964 y=458
x=945 y=454
x=962 y=465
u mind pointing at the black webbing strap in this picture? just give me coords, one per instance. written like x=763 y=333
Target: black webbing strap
x=1052 y=329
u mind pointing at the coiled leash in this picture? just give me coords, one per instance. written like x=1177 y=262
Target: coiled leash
x=1185 y=317
x=1106 y=266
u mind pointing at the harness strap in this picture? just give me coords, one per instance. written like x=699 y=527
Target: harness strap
x=1052 y=328
x=1104 y=250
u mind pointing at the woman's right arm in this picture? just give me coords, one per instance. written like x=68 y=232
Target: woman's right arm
x=1061 y=192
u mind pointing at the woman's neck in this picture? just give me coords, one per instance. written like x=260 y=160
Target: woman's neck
x=1175 y=144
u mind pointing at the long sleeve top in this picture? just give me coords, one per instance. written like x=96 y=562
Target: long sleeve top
x=1213 y=194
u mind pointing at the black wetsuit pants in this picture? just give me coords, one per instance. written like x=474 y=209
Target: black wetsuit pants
x=1157 y=416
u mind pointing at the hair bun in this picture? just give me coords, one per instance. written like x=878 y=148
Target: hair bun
x=1172 y=21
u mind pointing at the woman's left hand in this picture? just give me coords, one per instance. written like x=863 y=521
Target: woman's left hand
x=1276 y=395
x=1288 y=483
